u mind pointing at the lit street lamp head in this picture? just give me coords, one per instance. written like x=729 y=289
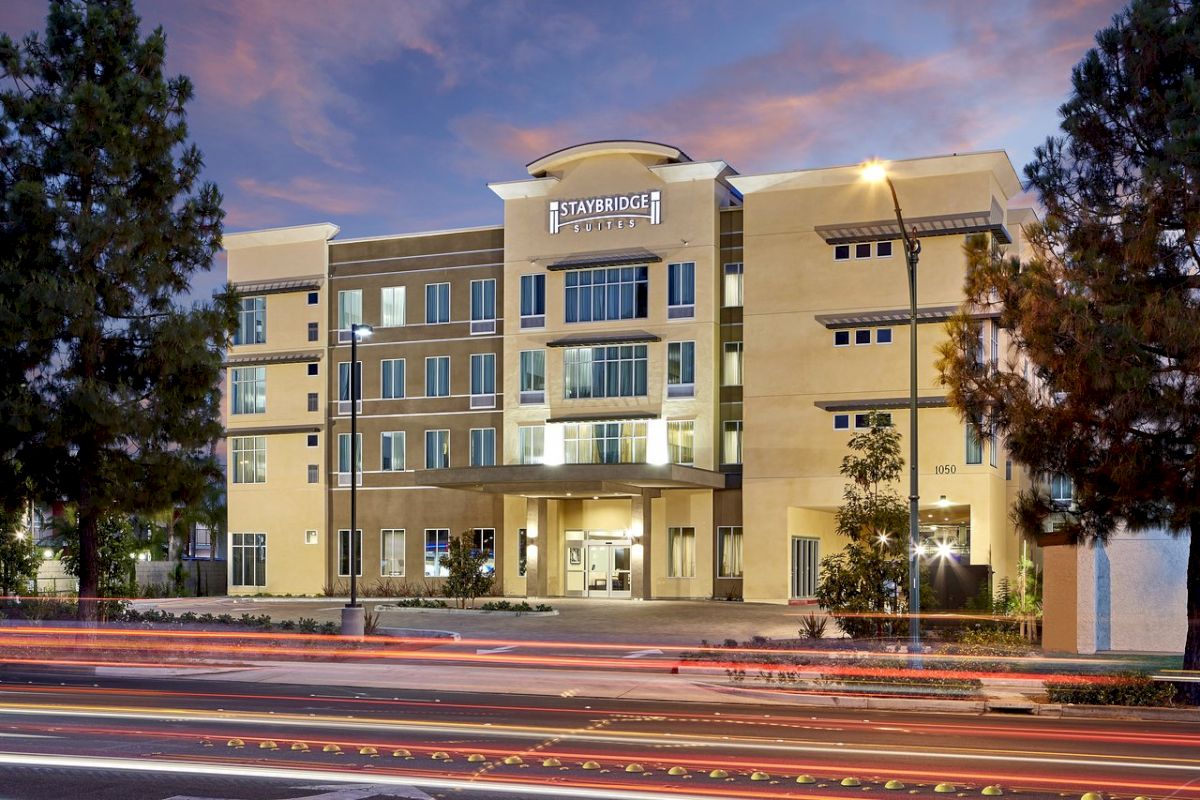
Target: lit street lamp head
x=362 y=331
x=874 y=171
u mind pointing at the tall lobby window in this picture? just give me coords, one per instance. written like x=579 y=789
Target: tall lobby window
x=391 y=448
x=605 y=442
x=974 y=445
x=533 y=301
x=594 y=295
x=731 y=366
x=731 y=442
x=729 y=551
x=681 y=290
x=731 y=287
x=681 y=441
x=681 y=552
x=681 y=369
x=1062 y=489
x=349 y=309
x=437 y=376
x=533 y=377
x=483 y=447
x=345 y=556
x=531 y=444
x=483 y=306
x=485 y=544
x=249 y=459
x=393 y=302
x=437 y=303
x=252 y=321
x=249 y=385
x=344 y=386
x=343 y=463
x=391 y=553
x=437 y=544
x=248 y=559
x=618 y=371
x=437 y=449
x=483 y=380
x=391 y=378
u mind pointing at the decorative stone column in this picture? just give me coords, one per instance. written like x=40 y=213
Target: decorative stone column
x=537 y=541
x=640 y=525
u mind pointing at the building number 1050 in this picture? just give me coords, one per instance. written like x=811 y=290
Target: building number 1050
x=945 y=469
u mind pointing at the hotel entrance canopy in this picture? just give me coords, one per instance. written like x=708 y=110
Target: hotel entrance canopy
x=566 y=480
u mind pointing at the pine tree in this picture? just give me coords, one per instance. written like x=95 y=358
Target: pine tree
x=116 y=382
x=1107 y=312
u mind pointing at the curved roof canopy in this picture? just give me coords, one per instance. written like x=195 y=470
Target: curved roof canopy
x=560 y=158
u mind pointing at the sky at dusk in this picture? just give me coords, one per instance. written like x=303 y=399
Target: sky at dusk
x=389 y=117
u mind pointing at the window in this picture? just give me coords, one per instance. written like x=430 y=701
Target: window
x=883 y=249
x=731 y=288
x=604 y=442
x=841 y=252
x=437 y=544
x=249 y=386
x=992 y=446
x=252 y=321
x=681 y=290
x=483 y=306
x=862 y=421
x=248 y=559
x=349 y=309
x=980 y=352
x=681 y=369
x=729 y=551
x=437 y=376
x=314 y=369
x=314 y=298
x=617 y=371
x=483 y=380
x=533 y=301
x=393 y=302
x=533 y=377
x=344 y=387
x=681 y=552
x=391 y=448
x=604 y=294
x=862 y=337
x=732 y=367
x=314 y=473
x=310 y=537
x=312 y=440
x=841 y=422
x=974 y=445
x=862 y=250
x=345 y=557
x=805 y=566
x=732 y=442
x=314 y=331
x=391 y=553
x=437 y=303
x=1008 y=469
x=437 y=449
x=344 y=458
x=995 y=342
x=531 y=443
x=391 y=378
x=485 y=543
x=1062 y=488
x=249 y=459
x=483 y=447
x=681 y=441
x=314 y=402
x=883 y=336
x=841 y=338
x=522 y=552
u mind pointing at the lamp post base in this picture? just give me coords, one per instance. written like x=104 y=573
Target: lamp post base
x=354 y=620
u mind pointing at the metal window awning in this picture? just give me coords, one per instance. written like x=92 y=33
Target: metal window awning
x=616 y=337
x=609 y=417
x=896 y=316
x=607 y=258
x=989 y=221
x=305 y=284
x=271 y=358
x=267 y=430
x=880 y=404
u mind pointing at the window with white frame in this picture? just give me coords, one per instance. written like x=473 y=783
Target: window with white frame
x=345 y=557
x=252 y=321
x=731 y=288
x=681 y=369
x=483 y=380
x=345 y=388
x=393 y=301
x=314 y=298
x=314 y=473
x=437 y=376
x=391 y=449
x=974 y=445
x=863 y=421
x=391 y=553
x=533 y=301
x=533 y=377
x=249 y=457
x=1062 y=488
x=992 y=448
x=995 y=341
x=483 y=447
x=344 y=457
x=531 y=444
x=248 y=559
x=681 y=441
x=391 y=378
x=841 y=338
x=862 y=336
x=437 y=544
x=729 y=551
x=616 y=371
x=484 y=543
x=249 y=385
x=593 y=295
x=483 y=306
x=731 y=443
x=349 y=308
x=681 y=552
x=841 y=422
x=883 y=249
x=437 y=303
x=841 y=252
x=437 y=449
x=681 y=290
x=980 y=350
x=604 y=442
x=731 y=372
x=862 y=250
x=883 y=336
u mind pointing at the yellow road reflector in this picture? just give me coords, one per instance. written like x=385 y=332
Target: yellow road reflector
x=677 y=771
x=551 y=762
x=1092 y=796
x=368 y=751
x=992 y=791
x=635 y=767
x=440 y=755
x=475 y=758
x=235 y=743
x=400 y=752
x=590 y=765
x=805 y=779
x=299 y=746
x=718 y=773
x=1141 y=797
x=851 y=782
x=759 y=776
x=331 y=748
x=945 y=788
x=893 y=784
x=513 y=761
x=267 y=744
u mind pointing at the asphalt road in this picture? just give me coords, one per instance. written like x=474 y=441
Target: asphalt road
x=70 y=734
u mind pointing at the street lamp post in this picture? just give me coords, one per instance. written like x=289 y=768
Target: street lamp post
x=353 y=616
x=876 y=172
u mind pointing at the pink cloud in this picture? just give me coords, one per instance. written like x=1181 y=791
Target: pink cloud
x=331 y=198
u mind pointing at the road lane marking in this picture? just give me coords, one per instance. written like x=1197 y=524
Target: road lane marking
x=643 y=653
x=495 y=650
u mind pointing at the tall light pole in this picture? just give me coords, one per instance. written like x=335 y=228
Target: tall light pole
x=353 y=617
x=876 y=172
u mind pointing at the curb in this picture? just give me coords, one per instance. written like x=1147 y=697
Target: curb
x=1146 y=713
x=420 y=633
x=478 y=611
x=853 y=701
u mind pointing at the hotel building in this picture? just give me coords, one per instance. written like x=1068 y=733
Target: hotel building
x=640 y=385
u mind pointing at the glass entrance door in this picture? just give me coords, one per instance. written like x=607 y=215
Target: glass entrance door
x=608 y=569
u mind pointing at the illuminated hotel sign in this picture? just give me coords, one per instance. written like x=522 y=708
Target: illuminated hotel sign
x=607 y=213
